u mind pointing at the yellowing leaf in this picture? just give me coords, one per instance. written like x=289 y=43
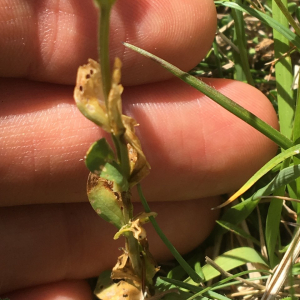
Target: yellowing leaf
x=88 y=94
x=115 y=102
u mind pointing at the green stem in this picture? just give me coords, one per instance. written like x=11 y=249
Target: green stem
x=195 y=277
x=131 y=243
x=222 y=100
x=104 y=49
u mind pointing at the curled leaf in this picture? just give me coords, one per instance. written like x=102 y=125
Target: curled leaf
x=88 y=94
x=123 y=270
x=114 y=108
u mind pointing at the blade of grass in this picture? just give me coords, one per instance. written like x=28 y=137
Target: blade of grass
x=222 y=100
x=218 y=62
x=294 y=189
x=283 y=7
x=240 y=59
x=230 y=260
x=196 y=277
x=239 y=212
x=238 y=231
x=286 y=108
x=295 y=150
x=292 y=37
x=284 y=75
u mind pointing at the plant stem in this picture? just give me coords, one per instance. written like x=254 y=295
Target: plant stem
x=104 y=49
x=194 y=276
x=131 y=243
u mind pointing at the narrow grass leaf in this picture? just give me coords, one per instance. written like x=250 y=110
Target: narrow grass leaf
x=238 y=231
x=221 y=99
x=272 y=229
x=284 y=74
x=292 y=37
x=295 y=150
x=241 y=211
x=195 y=277
x=241 y=63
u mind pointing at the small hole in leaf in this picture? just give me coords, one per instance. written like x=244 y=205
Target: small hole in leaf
x=81 y=88
x=125 y=296
x=91 y=71
x=88 y=76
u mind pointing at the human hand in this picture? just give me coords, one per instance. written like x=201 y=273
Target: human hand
x=51 y=239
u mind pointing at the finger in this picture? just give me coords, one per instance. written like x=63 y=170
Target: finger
x=70 y=241
x=47 y=40
x=71 y=290
x=195 y=147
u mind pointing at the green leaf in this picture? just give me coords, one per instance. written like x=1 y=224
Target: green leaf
x=221 y=99
x=105 y=201
x=295 y=150
x=238 y=231
x=232 y=259
x=111 y=171
x=239 y=212
x=292 y=37
x=99 y=153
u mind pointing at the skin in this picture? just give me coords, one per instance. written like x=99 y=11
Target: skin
x=51 y=240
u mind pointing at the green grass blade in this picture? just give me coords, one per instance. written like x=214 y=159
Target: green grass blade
x=238 y=231
x=283 y=7
x=239 y=212
x=196 y=278
x=284 y=75
x=230 y=260
x=292 y=37
x=222 y=100
x=295 y=150
x=241 y=59
x=272 y=230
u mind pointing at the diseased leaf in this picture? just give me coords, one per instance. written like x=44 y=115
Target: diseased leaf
x=98 y=155
x=114 y=108
x=111 y=171
x=88 y=94
x=140 y=167
x=121 y=290
x=104 y=200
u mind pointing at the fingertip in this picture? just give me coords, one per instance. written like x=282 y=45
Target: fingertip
x=71 y=290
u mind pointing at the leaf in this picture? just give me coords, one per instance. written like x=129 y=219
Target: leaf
x=232 y=259
x=264 y=170
x=106 y=202
x=292 y=37
x=239 y=212
x=238 y=231
x=88 y=94
x=140 y=167
x=120 y=290
x=99 y=153
x=114 y=108
x=111 y=171
x=221 y=99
